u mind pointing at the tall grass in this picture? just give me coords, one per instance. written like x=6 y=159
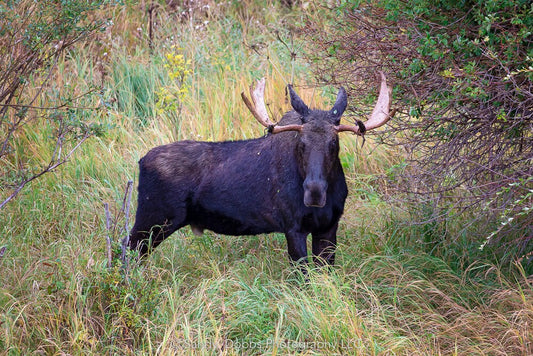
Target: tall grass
x=391 y=293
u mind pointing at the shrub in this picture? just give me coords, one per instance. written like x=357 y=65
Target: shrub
x=34 y=37
x=463 y=75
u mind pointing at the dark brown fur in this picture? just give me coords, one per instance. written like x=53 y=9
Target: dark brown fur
x=290 y=182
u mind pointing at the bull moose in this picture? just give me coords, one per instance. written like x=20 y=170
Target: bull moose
x=290 y=180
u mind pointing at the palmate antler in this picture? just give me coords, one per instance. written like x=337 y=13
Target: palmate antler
x=380 y=115
x=259 y=111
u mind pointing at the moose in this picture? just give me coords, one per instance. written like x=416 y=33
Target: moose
x=289 y=181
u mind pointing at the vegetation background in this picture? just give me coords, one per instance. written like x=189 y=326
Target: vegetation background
x=88 y=87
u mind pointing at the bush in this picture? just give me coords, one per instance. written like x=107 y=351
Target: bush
x=34 y=38
x=463 y=75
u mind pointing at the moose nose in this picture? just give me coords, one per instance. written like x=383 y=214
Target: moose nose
x=315 y=193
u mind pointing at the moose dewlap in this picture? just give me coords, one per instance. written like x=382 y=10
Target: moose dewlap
x=289 y=181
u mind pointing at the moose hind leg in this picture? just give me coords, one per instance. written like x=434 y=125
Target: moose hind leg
x=324 y=245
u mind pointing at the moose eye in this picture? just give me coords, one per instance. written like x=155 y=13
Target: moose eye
x=332 y=147
x=301 y=149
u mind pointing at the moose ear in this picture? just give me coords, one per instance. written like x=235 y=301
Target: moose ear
x=297 y=103
x=340 y=104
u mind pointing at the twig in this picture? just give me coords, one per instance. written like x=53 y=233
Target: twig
x=126 y=209
x=151 y=9
x=58 y=107
x=51 y=166
x=108 y=235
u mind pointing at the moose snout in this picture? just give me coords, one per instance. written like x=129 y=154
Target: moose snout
x=315 y=193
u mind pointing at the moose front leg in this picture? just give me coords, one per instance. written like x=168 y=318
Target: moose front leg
x=146 y=235
x=324 y=245
x=147 y=238
x=297 y=246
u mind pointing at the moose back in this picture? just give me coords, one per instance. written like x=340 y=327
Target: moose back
x=289 y=181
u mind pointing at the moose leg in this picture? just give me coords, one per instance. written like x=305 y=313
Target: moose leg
x=151 y=229
x=146 y=238
x=297 y=246
x=324 y=245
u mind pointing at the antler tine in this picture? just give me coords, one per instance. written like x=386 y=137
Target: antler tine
x=381 y=113
x=259 y=111
x=258 y=108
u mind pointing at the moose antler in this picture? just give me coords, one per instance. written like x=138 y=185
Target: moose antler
x=259 y=111
x=380 y=115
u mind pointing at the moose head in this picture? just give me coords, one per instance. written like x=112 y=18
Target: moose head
x=317 y=145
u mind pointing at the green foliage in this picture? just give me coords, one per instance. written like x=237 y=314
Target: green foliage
x=458 y=36
x=462 y=77
x=127 y=297
x=49 y=21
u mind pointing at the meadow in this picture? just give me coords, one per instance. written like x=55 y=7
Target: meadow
x=397 y=288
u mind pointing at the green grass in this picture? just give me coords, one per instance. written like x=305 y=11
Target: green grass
x=397 y=289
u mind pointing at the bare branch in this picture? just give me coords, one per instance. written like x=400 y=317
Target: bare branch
x=108 y=235
x=53 y=164
x=126 y=208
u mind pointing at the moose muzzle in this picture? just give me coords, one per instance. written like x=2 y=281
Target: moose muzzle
x=315 y=193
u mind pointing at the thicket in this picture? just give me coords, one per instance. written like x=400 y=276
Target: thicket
x=463 y=78
x=35 y=36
